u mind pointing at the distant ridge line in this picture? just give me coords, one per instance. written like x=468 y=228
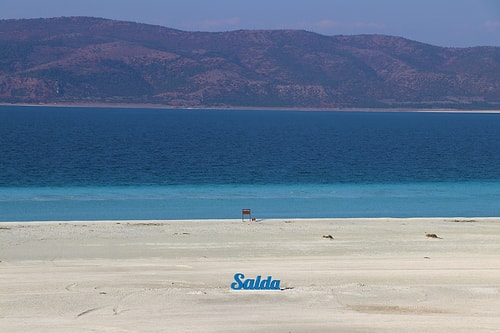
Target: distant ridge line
x=86 y=60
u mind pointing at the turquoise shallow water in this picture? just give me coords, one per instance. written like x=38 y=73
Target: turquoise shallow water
x=100 y=163
x=266 y=201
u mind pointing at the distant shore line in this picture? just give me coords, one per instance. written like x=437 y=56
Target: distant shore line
x=244 y=108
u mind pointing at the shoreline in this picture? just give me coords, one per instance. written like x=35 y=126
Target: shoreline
x=342 y=275
x=247 y=108
x=262 y=220
x=414 y=219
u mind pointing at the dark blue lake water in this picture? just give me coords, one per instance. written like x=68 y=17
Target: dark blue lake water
x=109 y=163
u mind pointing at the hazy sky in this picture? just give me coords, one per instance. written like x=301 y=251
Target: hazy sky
x=440 y=22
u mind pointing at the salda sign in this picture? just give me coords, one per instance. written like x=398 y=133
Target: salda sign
x=254 y=284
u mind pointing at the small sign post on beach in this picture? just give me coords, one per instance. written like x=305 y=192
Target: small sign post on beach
x=246 y=212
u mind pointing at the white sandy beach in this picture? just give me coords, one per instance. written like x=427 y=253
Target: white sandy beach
x=375 y=275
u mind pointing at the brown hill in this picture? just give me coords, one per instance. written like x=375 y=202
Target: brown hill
x=80 y=60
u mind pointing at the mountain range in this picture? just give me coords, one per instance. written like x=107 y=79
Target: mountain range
x=79 y=60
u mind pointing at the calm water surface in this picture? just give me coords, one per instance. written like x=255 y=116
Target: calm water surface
x=108 y=163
